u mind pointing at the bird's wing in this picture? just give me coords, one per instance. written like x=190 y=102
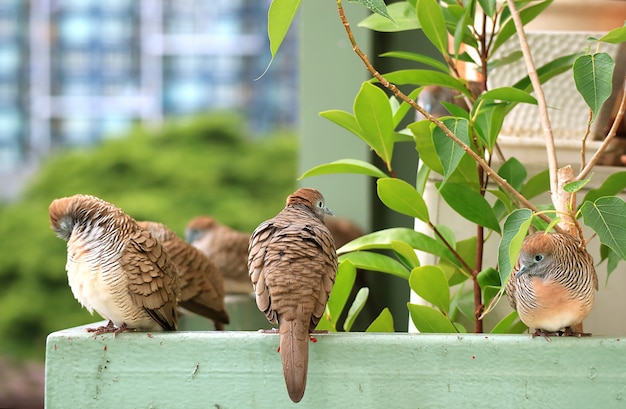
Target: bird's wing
x=257 y=250
x=152 y=278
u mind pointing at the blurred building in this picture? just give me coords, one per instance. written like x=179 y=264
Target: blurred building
x=73 y=72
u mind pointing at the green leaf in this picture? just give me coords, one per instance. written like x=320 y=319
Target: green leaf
x=429 y=320
x=606 y=217
x=398 y=195
x=345 y=166
x=402 y=13
x=575 y=186
x=508 y=94
x=400 y=113
x=615 y=36
x=425 y=146
x=536 y=185
x=509 y=325
x=507 y=28
x=612 y=185
x=356 y=308
x=427 y=77
x=488 y=6
x=593 y=75
x=344 y=281
x=406 y=253
x=373 y=114
x=424 y=59
x=488 y=123
x=513 y=234
x=383 y=240
x=612 y=259
x=344 y=119
x=382 y=323
x=377 y=6
x=430 y=283
x=433 y=24
x=469 y=204
x=279 y=17
x=449 y=152
x=548 y=71
x=462 y=27
x=368 y=260
x=513 y=172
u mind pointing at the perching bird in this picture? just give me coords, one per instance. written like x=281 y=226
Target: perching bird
x=293 y=263
x=201 y=283
x=553 y=284
x=114 y=266
x=227 y=248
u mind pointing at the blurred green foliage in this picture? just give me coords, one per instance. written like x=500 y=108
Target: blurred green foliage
x=207 y=164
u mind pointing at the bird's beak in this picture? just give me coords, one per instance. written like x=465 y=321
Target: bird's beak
x=521 y=271
x=328 y=211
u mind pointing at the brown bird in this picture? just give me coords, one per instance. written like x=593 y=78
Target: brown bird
x=114 y=266
x=227 y=248
x=201 y=283
x=553 y=284
x=292 y=263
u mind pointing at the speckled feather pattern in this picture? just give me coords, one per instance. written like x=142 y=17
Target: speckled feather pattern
x=114 y=267
x=292 y=264
x=201 y=282
x=557 y=291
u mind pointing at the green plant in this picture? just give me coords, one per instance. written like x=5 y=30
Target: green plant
x=187 y=167
x=460 y=147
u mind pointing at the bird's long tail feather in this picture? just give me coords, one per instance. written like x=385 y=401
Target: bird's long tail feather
x=294 y=352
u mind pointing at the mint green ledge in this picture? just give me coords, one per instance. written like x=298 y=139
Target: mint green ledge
x=242 y=369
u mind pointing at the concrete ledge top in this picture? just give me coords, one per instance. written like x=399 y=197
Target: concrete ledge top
x=239 y=369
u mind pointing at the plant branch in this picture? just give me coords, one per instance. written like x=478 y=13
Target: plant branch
x=609 y=137
x=399 y=94
x=541 y=99
x=452 y=249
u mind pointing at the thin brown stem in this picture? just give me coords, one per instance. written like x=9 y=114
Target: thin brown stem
x=399 y=94
x=478 y=299
x=468 y=269
x=609 y=137
x=541 y=99
x=583 y=148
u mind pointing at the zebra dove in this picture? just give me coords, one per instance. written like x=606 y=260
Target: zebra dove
x=115 y=267
x=227 y=248
x=292 y=263
x=552 y=285
x=201 y=283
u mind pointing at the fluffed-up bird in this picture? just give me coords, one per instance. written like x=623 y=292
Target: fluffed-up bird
x=115 y=267
x=227 y=248
x=201 y=282
x=553 y=284
x=292 y=263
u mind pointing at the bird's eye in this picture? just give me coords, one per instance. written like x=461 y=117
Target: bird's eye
x=320 y=204
x=538 y=257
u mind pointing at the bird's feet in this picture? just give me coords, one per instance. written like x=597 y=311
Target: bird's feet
x=544 y=334
x=569 y=332
x=269 y=331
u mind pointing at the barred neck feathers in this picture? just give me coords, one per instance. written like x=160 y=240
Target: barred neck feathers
x=310 y=199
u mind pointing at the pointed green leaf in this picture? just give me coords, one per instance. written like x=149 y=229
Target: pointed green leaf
x=406 y=253
x=488 y=123
x=373 y=114
x=536 y=185
x=615 y=36
x=383 y=240
x=402 y=13
x=612 y=185
x=367 y=260
x=513 y=234
x=398 y=195
x=431 y=284
x=345 y=166
x=593 y=75
x=488 y=6
x=400 y=113
x=279 y=17
x=469 y=204
x=382 y=323
x=377 y=6
x=424 y=59
x=509 y=325
x=612 y=260
x=344 y=119
x=606 y=217
x=547 y=71
x=449 y=152
x=344 y=281
x=433 y=24
x=429 y=320
x=508 y=94
x=575 y=186
x=425 y=146
x=356 y=308
x=513 y=172
x=427 y=77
